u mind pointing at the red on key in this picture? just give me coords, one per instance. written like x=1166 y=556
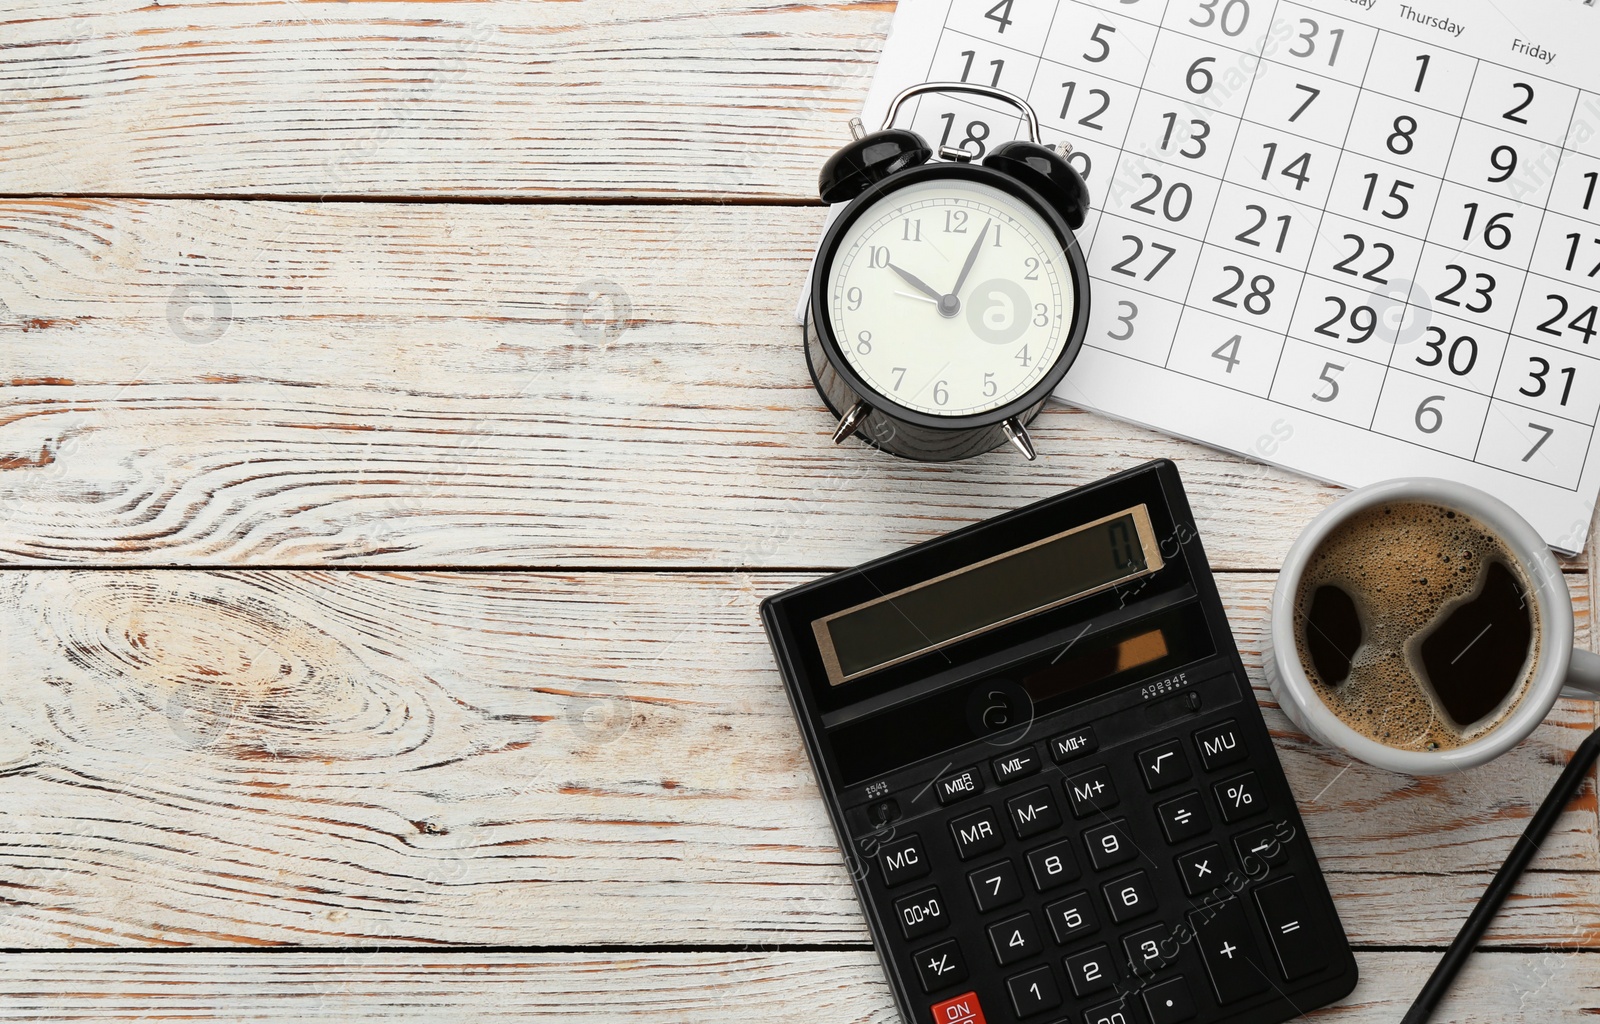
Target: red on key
x=962 y=1009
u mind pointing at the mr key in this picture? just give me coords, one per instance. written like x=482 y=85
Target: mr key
x=1037 y=741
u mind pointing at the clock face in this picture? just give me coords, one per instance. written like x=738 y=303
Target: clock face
x=951 y=297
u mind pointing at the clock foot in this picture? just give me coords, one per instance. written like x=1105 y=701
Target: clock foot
x=852 y=421
x=1017 y=434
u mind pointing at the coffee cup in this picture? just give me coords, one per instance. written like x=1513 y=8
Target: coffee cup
x=1558 y=669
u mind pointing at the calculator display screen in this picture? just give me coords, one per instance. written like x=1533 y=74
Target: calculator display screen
x=994 y=592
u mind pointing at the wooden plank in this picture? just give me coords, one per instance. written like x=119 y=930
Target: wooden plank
x=265 y=383
x=482 y=98
x=821 y=987
x=314 y=757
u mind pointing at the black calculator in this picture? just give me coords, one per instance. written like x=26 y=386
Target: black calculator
x=1050 y=777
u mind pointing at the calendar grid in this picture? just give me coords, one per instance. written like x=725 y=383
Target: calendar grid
x=1259 y=238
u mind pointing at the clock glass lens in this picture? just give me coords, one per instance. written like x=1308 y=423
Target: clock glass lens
x=951 y=297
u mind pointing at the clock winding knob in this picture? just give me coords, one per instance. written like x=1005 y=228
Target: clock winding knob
x=851 y=421
x=1017 y=434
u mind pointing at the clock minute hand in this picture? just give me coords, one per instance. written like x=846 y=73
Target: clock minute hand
x=916 y=282
x=972 y=257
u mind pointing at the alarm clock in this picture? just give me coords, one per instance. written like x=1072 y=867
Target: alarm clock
x=950 y=296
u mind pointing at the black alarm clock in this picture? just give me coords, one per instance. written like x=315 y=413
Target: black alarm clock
x=951 y=296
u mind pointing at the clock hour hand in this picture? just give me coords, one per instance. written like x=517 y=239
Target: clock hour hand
x=953 y=299
x=916 y=282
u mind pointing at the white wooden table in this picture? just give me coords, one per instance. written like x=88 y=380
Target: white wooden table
x=400 y=420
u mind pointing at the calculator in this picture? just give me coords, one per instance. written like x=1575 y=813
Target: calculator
x=1050 y=777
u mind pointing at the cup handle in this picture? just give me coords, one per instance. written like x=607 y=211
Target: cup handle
x=1583 y=675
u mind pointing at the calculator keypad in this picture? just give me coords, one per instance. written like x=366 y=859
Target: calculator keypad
x=1137 y=916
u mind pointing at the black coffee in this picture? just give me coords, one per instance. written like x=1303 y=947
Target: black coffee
x=1416 y=627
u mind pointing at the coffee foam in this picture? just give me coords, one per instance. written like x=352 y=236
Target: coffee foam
x=1405 y=565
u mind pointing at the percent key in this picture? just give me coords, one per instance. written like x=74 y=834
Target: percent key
x=1239 y=797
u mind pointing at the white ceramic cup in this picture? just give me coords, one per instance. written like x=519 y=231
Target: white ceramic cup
x=1560 y=668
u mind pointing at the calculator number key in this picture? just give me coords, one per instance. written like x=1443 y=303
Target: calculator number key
x=1092 y=791
x=1183 y=818
x=1130 y=896
x=1219 y=745
x=1072 y=917
x=1239 y=797
x=921 y=913
x=903 y=861
x=977 y=834
x=1149 y=949
x=1014 y=939
x=1109 y=844
x=995 y=886
x=940 y=966
x=1033 y=812
x=1053 y=865
x=1091 y=971
x=1163 y=766
x=1034 y=992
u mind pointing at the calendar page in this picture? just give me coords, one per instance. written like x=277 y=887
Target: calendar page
x=1355 y=238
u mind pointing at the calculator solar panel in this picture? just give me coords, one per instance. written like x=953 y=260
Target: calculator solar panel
x=1051 y=779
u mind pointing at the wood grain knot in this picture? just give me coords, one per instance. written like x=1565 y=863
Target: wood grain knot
x=212 y=662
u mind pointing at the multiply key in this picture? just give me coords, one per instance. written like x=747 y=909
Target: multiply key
x=1202 y=870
